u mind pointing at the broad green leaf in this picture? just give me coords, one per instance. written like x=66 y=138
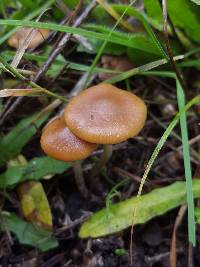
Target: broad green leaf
x=36 y=169
x=34 y=204
x=119 y=216
x=131 y=11
x=197 y=214
x=139 y=41
x=27 y=233
x=154 y=10
x=183 y=13
x=29 y=4
x=71 y=3
x=196 y=1
x=12 y=143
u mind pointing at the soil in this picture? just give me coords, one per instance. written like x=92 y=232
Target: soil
x=152 y=241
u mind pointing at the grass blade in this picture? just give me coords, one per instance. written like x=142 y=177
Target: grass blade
x=113 y=38
x=187 y=164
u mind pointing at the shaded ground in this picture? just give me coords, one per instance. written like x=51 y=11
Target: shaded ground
x=151 y=242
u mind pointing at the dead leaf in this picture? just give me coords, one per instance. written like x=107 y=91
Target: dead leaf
x=34 y=204
x=20 y=92
x=121 y=63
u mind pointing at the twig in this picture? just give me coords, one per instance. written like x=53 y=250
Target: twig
x=74 y=223
x=173 y=252
x=190 y=255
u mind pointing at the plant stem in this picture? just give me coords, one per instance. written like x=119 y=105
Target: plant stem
x=17 y=74
x=78 y=173
x=107 y=153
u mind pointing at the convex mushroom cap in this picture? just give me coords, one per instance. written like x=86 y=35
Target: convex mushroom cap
x=104 y=114
x=60 y=143
x=39 y=36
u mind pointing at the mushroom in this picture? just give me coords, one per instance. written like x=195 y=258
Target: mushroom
x=105 y=114
x=20 y=36
x=60 y=143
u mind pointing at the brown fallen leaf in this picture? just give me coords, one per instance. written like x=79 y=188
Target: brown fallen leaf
x=18 y=38
x=34 y=204
x=20 y=92
x=121 y=63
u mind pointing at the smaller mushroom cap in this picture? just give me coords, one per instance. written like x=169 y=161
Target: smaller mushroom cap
x=104 y=114
x=60 y=143
x=19 y=36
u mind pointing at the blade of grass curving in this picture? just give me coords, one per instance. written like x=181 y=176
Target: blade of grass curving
x=110 y=10
x=181 y=86
x=187 y=164
x=194 y=101
x=141 y=69
x=15 y=73
x=114 y=38
x=145 y=68
x=8 y=55
x=29 y=16
x=138 y=39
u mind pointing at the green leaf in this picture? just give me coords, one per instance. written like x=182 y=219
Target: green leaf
x=154 y=11
x=196 y=1
x=34 y=204
x=71 y=3
x=27 y=233
x=58 y=63
x=183 y=13
x=197 y=214
x=115 y=37
x=12 y=143
x=120 y=216
x=139 y=41
x=36 y=169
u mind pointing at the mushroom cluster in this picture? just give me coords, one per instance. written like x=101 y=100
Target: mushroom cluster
x=102 y=114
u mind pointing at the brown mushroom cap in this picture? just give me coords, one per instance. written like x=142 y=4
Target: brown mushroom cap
x=60 y=143
x=104 y=114
x=19 y=36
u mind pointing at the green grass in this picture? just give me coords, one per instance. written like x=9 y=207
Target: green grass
x=114 y=36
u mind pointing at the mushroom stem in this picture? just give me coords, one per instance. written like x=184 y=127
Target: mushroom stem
x=107 y=153
x=78 y=173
